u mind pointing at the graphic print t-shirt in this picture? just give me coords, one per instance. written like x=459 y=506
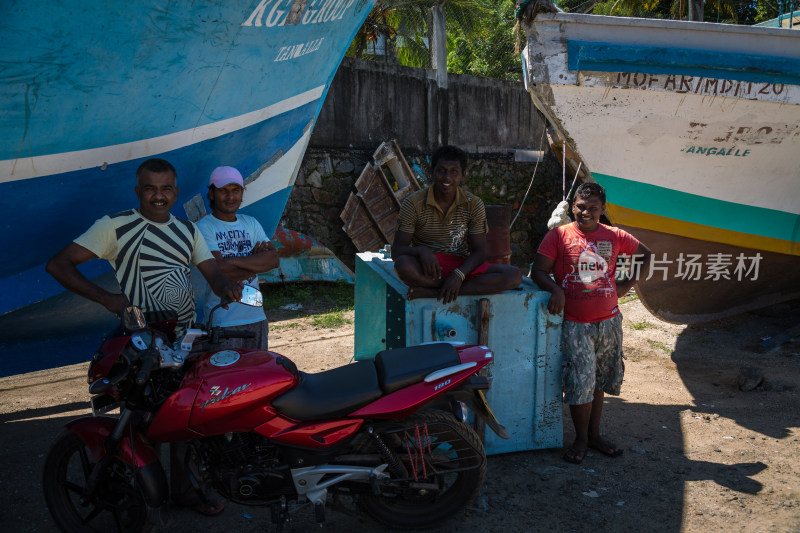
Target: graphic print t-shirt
x=151 y=260
x=585 y=266
x=232 y=239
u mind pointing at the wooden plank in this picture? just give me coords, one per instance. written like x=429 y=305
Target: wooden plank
x=372 y=218
x=483 y=317
x=370 y=214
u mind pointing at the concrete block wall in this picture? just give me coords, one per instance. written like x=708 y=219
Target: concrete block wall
x=371 y=102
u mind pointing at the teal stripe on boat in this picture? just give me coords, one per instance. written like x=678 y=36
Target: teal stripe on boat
x=608 y=57
x=699 y=209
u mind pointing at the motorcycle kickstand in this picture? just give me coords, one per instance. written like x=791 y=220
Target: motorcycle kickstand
x=319 y=512
x=279 y=515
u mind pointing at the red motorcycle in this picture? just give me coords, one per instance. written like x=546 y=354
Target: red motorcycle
x=389 y=434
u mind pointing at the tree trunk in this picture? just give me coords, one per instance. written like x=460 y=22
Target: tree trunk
x=696 y=8
x=438 y=42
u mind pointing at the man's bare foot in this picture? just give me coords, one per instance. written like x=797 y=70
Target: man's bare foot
x=603 y=446
x=422 y=292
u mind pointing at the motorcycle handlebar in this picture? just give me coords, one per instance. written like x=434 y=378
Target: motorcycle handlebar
x=148 y=360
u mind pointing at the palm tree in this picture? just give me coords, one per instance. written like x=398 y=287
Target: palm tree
x=725 y=10
x=404 y=26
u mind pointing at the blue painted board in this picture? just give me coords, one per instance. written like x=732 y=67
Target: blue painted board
x=610 y=57
x=524 y=337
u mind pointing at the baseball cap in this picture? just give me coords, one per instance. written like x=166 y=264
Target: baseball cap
x=222 y=176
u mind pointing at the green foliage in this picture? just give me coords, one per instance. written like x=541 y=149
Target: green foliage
x=332 y=320
x=330 y=296
x=767 y=10
x=726 y=11
x=631 y=296
x=577 y=6
x=730 y=12
x=278 y=295
x=324 y=302
x=489 y=52
x=279 y=327
x=641 y=325
x=660 y=346
x=480 y=36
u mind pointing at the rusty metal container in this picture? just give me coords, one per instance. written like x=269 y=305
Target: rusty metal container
x=498 y=240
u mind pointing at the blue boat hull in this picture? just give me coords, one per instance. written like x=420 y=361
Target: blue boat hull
x=89 y=92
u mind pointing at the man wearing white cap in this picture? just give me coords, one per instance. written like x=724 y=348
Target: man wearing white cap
x=242 y=249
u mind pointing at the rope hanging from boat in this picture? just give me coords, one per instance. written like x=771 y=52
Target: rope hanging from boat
x=541 y=143
x=563 y=170
x=560 y=214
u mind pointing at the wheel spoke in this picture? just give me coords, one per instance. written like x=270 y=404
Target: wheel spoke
x=73 y=487
x=118 y=520
x=115 y=506
x=85 y=464
x=91 y=516
x=437 y=451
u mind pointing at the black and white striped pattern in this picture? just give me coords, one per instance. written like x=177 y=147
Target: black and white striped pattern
x=152 y=264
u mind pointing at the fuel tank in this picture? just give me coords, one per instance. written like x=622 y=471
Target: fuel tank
x=227 y=390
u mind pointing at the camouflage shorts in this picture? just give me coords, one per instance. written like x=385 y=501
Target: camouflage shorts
x=592 y=359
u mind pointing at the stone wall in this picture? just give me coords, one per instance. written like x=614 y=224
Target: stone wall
x=326 y=179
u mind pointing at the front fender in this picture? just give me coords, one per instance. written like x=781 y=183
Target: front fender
x=134 y=448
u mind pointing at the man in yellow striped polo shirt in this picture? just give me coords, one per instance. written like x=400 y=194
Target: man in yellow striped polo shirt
x=440 y=244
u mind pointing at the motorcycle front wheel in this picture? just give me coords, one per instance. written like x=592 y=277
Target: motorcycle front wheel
x=116 y=506
x=440 y=467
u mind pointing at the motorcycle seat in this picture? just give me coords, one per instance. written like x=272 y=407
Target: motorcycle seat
x=406 y=366
x=332 y=393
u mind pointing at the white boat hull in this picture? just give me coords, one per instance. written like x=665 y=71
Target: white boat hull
x=694 y=131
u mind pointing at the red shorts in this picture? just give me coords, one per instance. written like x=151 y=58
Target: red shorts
x=451 y=262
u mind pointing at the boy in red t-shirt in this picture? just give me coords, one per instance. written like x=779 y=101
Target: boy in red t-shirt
x=582 y=257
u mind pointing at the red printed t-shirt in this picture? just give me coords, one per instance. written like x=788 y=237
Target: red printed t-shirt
x=585 y=265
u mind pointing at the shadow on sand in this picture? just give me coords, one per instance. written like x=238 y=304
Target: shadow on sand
x=644 y=490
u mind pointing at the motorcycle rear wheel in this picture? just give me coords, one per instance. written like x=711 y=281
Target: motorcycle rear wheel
x=454 y=460
x=118 y=506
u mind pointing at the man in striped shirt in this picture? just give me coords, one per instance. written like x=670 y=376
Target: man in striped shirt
x=150 y=251
x=440 y=244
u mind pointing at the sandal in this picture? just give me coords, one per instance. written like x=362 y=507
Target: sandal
x=571 y=455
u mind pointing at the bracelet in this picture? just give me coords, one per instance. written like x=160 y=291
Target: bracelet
x=460 y=274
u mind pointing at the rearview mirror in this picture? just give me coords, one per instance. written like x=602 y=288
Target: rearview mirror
x=133 y=319
x=252 y=296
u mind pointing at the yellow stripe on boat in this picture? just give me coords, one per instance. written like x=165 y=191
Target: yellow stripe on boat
x=640 y=219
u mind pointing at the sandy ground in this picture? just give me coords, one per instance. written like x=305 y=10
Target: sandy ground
x=700 y=454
